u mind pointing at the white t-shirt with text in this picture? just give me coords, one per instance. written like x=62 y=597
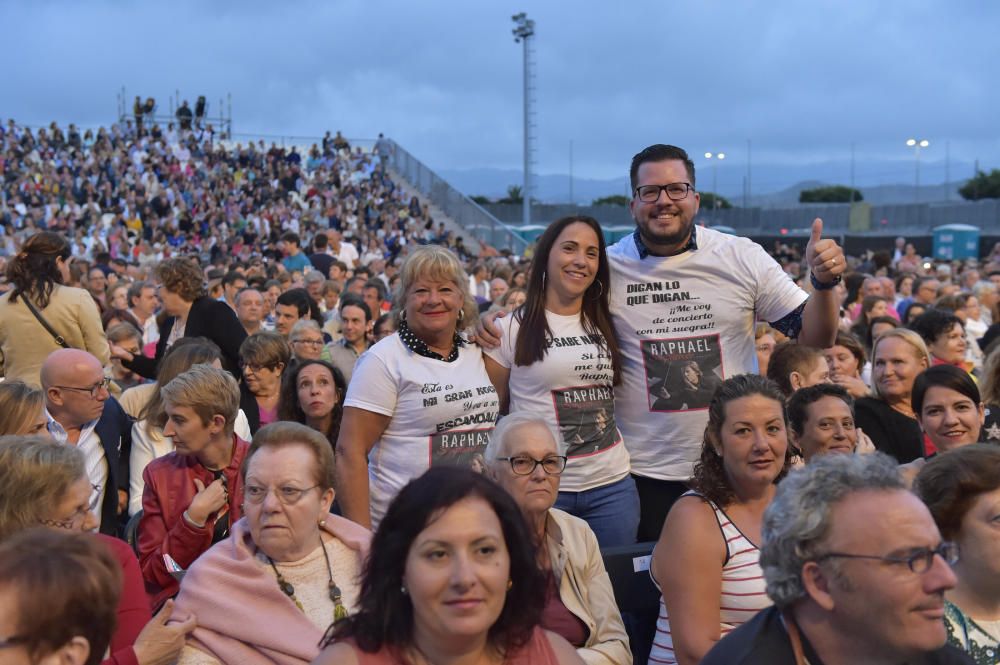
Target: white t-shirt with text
x=442 y=413
x=572 y=389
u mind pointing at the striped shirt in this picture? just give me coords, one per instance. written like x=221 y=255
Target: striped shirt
x=743 y=588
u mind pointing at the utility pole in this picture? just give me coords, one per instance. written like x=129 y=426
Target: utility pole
x=524 y=30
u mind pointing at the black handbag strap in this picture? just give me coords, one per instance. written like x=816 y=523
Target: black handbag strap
x=60 y=340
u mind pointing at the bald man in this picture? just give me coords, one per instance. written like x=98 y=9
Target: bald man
x=81 y=412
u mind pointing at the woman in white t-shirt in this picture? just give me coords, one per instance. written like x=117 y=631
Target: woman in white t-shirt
x=419 y=397
x=558 y=358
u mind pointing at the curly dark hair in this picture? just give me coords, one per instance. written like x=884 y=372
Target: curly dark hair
x=182 y=277
x=34 y=271
x=385 y=615
x=288 y=404
x=710 y=479
x=934 y=324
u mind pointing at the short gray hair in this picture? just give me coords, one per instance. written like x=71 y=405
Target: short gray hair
x=314 y=276
x=506 y=425
x=798 y=521
x=303 y=325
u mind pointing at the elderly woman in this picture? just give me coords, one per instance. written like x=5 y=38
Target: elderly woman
x=289 y=569
x=46 y=483
x=420 y=397
x=567 y=300
x=313 y=394
x=40 y=314
x=452 y=577
x=190 y=313
x=706 y=560
x=523 y=458
x=306 y=339
x=145 y=404
x=898 y=356
x=22 y=409
x=264 y=357
x=962 y=490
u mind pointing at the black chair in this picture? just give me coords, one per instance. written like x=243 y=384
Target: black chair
x=132 y=532
x=637 y=597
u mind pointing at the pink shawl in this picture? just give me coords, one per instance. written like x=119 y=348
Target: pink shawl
x=243 y=617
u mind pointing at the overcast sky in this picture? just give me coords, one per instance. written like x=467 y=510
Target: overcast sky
x=802 y=80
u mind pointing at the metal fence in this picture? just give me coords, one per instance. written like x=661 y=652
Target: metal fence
x=466 y=212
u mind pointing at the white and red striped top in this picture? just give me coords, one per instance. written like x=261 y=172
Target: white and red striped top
x=743 y=588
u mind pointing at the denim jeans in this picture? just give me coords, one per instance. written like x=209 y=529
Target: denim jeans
x=612 y=511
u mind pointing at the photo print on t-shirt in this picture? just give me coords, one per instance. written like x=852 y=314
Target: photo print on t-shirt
x=682 y=373
x=459 y=448
x=586 y=418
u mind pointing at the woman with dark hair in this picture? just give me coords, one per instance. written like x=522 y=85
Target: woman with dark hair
x=190 y=313
x=846 y=360
x=876 y=327
x=538 y=368
x=962 y=491
x=912 y=311
x=991 y=395
x=944 y=335
x=312 y=393
x=451 y=571
x=948 y=407
x=39 y=274
x=706 y=562
x=871 y=307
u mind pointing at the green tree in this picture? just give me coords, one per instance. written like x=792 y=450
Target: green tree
x=513 y=195
x=615 y=200
x=983 y=186
x=480 y=199
x=711 y=201
x=833 y=194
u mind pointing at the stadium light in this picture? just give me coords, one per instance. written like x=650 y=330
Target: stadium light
x=524 y=29
x=715 y=157
x=917 y=144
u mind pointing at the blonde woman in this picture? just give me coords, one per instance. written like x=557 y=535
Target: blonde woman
x=22 y=409
x=887 y=417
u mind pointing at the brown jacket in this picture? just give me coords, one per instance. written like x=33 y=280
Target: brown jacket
x=24 y=342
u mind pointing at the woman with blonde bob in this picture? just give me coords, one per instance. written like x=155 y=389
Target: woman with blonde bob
x=421 y=396
x=898 y=356
x=22 y=409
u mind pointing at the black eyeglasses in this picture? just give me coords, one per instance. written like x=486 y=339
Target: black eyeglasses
x=676 y=191
x=523 y=465
x=94 y=390
x=920 y=561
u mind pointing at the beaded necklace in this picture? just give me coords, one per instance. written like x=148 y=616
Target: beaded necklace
x=339 y=611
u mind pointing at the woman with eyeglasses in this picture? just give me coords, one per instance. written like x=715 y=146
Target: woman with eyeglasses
x=289 y=569
x=45 y=484
x=962 y=490
x=40 y=275
x=306 y=340
x=524 y=459
x=264 y=357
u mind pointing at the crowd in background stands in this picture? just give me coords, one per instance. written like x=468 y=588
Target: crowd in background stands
x=225 y=319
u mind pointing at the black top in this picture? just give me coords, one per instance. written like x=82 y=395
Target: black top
x=890 y=431
x=208 y=318
x=764 y=641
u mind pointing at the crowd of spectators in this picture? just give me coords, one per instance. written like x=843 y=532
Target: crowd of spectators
x=261 y=370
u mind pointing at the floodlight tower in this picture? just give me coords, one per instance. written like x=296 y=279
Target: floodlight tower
x=917 y=144
x=524 y=29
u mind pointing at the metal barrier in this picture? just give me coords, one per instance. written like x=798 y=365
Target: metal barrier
x=466 y=212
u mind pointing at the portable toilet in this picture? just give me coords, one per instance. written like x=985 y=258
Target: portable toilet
x=956 y=241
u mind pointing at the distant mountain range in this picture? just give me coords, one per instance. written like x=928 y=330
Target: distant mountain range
x=772 y=186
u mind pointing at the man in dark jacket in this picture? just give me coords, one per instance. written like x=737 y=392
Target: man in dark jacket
x=81 y=412
x=857 y=571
